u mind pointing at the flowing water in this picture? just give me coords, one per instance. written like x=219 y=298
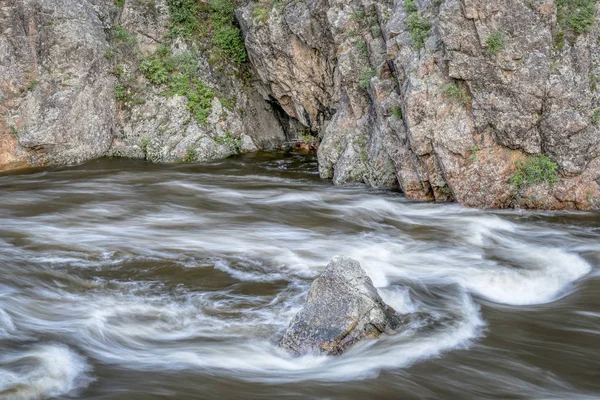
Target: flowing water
x=127 y=280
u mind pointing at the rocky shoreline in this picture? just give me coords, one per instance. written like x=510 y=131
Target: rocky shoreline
x=489 y=104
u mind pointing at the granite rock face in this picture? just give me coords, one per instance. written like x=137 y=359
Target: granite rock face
x=443 y=98
x=72 y=88
x=343 y=307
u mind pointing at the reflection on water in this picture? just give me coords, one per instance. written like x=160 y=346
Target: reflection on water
x=127 y=280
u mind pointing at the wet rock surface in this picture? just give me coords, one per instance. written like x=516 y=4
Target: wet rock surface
x=343 y=307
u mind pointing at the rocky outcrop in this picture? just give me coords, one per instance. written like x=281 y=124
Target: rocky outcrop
x=491 y=104
x=73 y=84
x=342 y=308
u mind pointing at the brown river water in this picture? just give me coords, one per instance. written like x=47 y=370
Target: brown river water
x=128 y=280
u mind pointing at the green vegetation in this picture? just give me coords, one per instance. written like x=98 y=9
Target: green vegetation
x=397 y=112
x=260 y=14
x=596 y=116
x=474 y=150
x=455 y=94
x=495 y=43
x=227 y=37
x=534 y=170
x=178 y=73
x=233 y=143
x=365 y=79
x=189 y=19
x=361 y=45
x=120 y=3
x=13 y=131
x=110 y=54
x=122 y=36
x=144 y=146
x=594 y=81
x=576 y=16
x=120 y=92
x=358 y=15
x=32 y=85
x=190 y=155
x=185 y=17
x=418 y=27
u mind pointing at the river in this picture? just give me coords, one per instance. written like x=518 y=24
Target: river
x=128 y=280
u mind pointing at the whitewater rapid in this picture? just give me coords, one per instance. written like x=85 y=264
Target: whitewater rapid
x=183 y=270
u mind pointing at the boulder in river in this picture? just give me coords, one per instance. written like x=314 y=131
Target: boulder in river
x=343 y=307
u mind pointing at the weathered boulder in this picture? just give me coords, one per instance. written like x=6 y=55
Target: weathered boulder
x=343 y=307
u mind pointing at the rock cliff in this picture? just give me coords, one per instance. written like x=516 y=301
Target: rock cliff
x=81 y=79
x=488 y=103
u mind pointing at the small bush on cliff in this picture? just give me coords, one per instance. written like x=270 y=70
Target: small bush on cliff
x=178 y=74
x=227 y=36
x=260 y=14
x=596 y=116
x=418 y=27
x=233 y=143
x=365 y=79
x=184 y=17
x=534 y=170
x=122 y=36
x=120 y=92
x=190 y=155
x=455 y=94
x=577 y=16
x=397 y=112
x=495 y=43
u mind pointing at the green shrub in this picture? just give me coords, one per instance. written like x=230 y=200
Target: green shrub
x=365 y=79
x=120 y=3
x=260 y=14
x=495 y=43
x=418 y=27
x=596 y=116
x=155 y=71
x=397 y=112
x=361 y=45
x=229 y=39
x=32 y=85
x=200 y=100
x=534 y=170
x=576 y=16
x=184 y=15
x=178 y=74
x=410 y=6
x=122 y=36
x=233 y=143
x=455 y=94
x=120 y=92
x=190 y=155
x=227 y=36
x=474 y=150
x=144 y=146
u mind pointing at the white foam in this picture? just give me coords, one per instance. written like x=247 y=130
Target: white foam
x=51 y=370
x=544 y=275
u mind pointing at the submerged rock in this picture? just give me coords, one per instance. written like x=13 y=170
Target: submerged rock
x=343 y=307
